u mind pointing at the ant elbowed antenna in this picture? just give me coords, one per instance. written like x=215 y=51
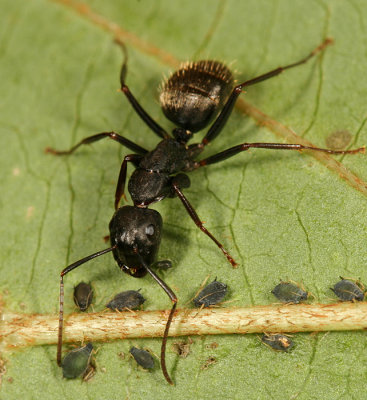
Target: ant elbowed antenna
x=191 y=98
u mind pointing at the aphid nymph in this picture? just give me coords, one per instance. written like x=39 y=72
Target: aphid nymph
x=131 y=299
x=349 y=290
x=83 y=295
x=288 y=292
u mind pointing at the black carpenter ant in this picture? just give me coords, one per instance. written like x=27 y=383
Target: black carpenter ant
x=191 y=98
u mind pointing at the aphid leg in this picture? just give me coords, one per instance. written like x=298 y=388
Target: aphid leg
x=199 y=224
x=232 y=151
x=199 y=311
x=199 y=290
x=95 y=138
x=120 y=188
x=156 y=128
x=61 y=302
x=174 y=300
x=222 y=118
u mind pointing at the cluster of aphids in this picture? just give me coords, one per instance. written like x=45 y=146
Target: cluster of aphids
x=345 y=289
x=78 y=361
x=292 y=293
x=199 y=95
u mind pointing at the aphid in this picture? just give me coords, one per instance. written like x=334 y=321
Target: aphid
x=211 y=294
x=194 y=96
x=131 y=299
x=143 y=358
x=348 y=290
x=278 y=341
x=76 y=362
x=83 y=295
x=288 y=292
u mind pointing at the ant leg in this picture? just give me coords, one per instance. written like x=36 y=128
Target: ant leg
x=61 y=303
x=91 y=139
x=156 y=128
x=174 y=300
x=199 y=224
x=120 y=188
x=222 y=118
x=232 y=151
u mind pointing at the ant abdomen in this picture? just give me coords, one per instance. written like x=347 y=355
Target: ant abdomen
x=192 y=96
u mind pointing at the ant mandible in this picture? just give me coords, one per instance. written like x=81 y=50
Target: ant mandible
x=191 y=98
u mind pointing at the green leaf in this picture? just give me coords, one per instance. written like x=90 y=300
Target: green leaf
x=282 y=215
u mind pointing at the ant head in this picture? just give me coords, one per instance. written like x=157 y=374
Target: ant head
x=135 y=230
x=182 y=135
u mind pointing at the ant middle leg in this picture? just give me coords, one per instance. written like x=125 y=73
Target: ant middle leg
x=95 y=138
x=174 y=300
x=222 y=118
x=232 y=151
x=198 y=222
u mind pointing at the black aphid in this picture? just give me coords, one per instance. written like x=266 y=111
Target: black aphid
x=288 y=292
x=348 y=290
x=143 y=358
x=83 y=295
x=76 y=362
x=278 y=341
x=211 y=294
x=131 y=299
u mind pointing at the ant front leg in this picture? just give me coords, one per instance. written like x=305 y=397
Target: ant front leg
x=61 y=302
x=174 y=300
x=222 y=118
x=95 y=138
x=198 y=222
x=120 y=188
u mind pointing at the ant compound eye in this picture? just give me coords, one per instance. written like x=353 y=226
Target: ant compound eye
x=149 y=230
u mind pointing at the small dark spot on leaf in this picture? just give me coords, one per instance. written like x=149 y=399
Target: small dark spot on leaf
x=338 y=140
x=208 y=362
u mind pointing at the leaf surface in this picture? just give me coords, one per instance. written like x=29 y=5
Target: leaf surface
x=282 y=215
